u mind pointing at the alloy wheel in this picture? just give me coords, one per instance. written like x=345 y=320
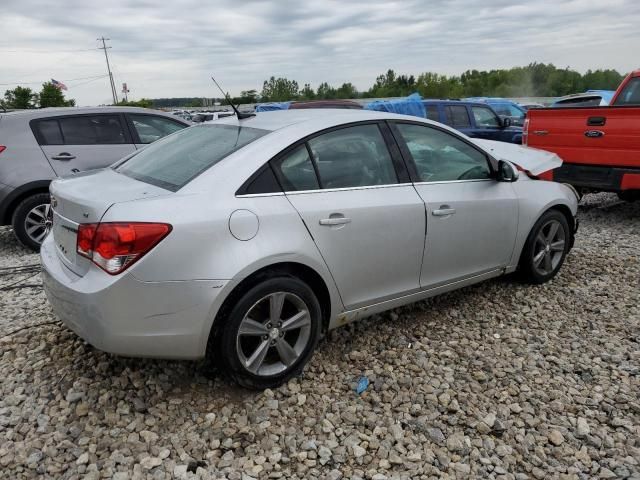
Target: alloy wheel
x=548 y=248
x=37 y=223
x=273 y=334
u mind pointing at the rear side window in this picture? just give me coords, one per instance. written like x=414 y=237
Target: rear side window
x=353 y=157
x=175 y=160
x=92 y=130
x=49 y=132
x=432 y=113
x=296 y=170
x=457 y=116
x=151 y=127
x=630 y=94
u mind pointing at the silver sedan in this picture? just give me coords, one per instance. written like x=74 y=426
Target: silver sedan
x=245 y=240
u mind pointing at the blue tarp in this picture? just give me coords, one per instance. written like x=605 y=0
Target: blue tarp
x=270 y=107
x=411 y=105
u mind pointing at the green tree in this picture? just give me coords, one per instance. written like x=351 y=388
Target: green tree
x=347 y=90
x=326 y=92
x=279 y=90
x=52 y=96
x=307 y=93
x=20 y=97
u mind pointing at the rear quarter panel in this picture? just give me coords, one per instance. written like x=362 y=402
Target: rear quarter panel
x=562 y=131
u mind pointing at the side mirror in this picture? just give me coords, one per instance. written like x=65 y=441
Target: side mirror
x=507 y=172
x=506 y=122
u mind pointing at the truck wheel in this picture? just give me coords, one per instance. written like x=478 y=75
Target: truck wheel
x=546 y=248
x=31 y=220
x=269 y=334
x=629 y=195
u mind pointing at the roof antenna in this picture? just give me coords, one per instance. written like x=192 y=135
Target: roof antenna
x=239 y=114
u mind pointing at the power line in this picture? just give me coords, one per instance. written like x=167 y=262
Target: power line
x=113 y=85
x=62 y=80
x=51 y=51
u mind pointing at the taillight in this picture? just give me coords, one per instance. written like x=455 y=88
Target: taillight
x=114 y=247
x=2 y=148
x=525 y=132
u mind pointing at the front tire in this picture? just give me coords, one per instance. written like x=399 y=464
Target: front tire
x=546 y=248
x=31 y=220
x=270 y=333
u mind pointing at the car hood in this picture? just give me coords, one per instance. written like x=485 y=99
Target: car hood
x=531 y=160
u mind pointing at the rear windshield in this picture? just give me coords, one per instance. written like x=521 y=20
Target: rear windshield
x=174 y=161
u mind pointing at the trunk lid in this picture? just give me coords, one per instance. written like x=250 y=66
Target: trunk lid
x=531 y=160
x=84 y=198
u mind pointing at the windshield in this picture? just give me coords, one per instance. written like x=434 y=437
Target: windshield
x=175 y=160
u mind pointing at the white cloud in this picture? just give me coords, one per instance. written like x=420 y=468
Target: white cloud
x=171 y=49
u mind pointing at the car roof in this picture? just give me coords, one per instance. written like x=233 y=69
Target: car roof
x=278 y=119
x=55 y=111
x=455 y=102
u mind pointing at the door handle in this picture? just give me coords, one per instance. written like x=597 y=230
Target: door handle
x=332 y=221
x=541 y=132
x=63 y=156
x=443 y=211
x=596 y=121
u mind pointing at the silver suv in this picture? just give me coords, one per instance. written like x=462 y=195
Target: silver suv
x=37 y=146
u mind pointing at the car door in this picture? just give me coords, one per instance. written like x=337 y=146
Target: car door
x=149 y=128
x=472 y=218
x=368 y=225
x=457 y=116
x=488 y=124
x=76 y=143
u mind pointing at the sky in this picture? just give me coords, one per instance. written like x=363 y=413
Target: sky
x=171 y=48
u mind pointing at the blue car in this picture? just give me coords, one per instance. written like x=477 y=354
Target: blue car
x=504 y=108
x=474 y=119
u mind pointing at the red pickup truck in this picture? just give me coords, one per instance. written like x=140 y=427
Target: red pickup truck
x=599 y=146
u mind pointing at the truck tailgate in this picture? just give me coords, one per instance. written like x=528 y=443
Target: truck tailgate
x=598 y=136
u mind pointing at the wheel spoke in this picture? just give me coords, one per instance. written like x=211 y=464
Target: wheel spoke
x=276 y=302
x=538 y=258
x=33 y=228
x=287 y=354
x=541 y=238
x=250 y=327
x=557 y=246
x=41 y=236
x=299 y=320
x=547 y=262
x=254 y=362
x=37 y=212
x=553 y=230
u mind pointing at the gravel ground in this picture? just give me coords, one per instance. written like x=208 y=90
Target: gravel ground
x=500 y=380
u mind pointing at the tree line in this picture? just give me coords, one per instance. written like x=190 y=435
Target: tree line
x=534 y=80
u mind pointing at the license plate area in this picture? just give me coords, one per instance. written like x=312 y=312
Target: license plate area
x=65 y=235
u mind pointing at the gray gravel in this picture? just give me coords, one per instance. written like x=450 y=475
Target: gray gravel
x=500 y=380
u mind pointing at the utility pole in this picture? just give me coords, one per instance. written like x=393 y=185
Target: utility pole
x=113 y=85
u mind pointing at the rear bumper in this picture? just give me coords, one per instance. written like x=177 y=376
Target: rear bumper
x=129 y=317
x=595 y=177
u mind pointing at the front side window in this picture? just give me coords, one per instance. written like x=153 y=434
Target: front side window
x=440 y=156
x=630 y=94
x=92 y=130
x=151 y=128
x=353 y=157
x=296 y=170
x=175 y=160
x=457 y=116
x=484 y=117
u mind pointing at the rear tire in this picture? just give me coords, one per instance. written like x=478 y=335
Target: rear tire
x=629 y=195
x=31 y=221
x=546 y=248
x=269 y=334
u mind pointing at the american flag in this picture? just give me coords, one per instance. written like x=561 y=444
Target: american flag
x=58 y=84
